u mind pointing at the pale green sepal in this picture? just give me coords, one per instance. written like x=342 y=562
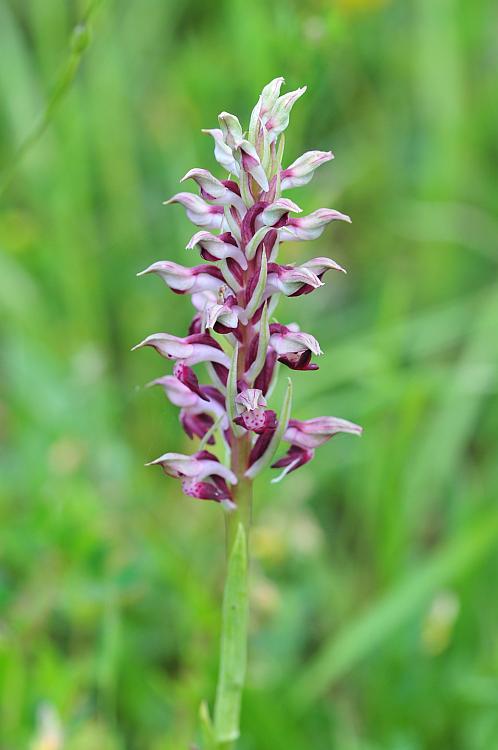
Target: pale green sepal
x=207 y=728
x=233 y=644
x=232 y=393
x=266 y=155
x=245 y=190
x=255 y=240
x=229 y=277
x=254 y=123
x=232 y=224
x=277 y=165
x=257 y=297
x=264 y=338
x=264 y=460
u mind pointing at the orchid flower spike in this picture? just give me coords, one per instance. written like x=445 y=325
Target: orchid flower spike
x=242 y=220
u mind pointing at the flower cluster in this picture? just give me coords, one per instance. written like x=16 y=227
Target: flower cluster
x=242 y=221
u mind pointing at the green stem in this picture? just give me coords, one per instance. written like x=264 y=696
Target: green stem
x=235 y=608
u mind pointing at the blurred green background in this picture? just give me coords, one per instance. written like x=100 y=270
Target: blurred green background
x=374 y=579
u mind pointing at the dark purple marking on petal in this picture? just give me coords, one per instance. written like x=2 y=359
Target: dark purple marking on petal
x=196 y=424
x=257 y=315
x=228 y=238
x=210 y=270
x=202 y=490
x=221 y=371
x=269 y=242
x=203 y=338
x=196 y=325
x=248 y=222
x=232 y=186
x=260 y=446
x=206 y=456
x=295 y=454
x=235 y=269
x=206 y=196
x=223 y=487
x=278 y=328
x=259 y=421
x=188 y=377
x=298 y=360
x=210 y=392
x=265 y=376
x=207 y=256
x=251 y=351
x=220 y=328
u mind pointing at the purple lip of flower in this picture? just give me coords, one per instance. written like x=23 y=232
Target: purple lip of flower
x=252 y=413
x=243 y=220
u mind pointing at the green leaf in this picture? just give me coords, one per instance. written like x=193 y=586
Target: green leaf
x=233 y=643
x=376 y=625
x=283 y=421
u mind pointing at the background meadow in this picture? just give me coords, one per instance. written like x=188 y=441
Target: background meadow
x=374 y=598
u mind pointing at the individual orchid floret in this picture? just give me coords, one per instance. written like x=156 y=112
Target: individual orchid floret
x=231 y=130
x=305 y=436
x=190 y=350
x=198 y=211
x=277 y=119
x=294 y=348
x=222 y=152
x=252 y=413
x=203 y=475
x=317 y=267
x=224 y=193
x=222 y=317
x=310 y=227
x=312 y=433
x=320 y=266
x=217 y=247
x=273 y=213
x=301 y=171
x=269 y=97
x=183 y=280
x=289 y=280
